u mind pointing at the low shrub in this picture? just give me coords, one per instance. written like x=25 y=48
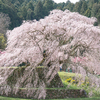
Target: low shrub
x=71 y=82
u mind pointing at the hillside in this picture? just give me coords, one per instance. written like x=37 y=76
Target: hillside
x=19 y=10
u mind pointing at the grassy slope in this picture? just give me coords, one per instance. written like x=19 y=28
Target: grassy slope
x=66 y=75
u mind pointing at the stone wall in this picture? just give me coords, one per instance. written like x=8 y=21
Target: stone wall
x=51 y=94
x=64 y=93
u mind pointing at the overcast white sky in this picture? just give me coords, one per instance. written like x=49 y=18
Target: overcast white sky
x=58 y=1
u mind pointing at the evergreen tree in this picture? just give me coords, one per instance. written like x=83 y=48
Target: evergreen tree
x=91 y=2
x=17 y=5
x=67 y=2
x=38 y=10
x=95 y=10
x=48 y=5
x=70 y=6
x=30 y=5
x=30 y=15
x=60 y=6
x=77 y=7
x=88 y=13
x=24 y=12
x=84 y=7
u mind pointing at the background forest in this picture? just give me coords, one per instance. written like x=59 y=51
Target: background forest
x=19 y=10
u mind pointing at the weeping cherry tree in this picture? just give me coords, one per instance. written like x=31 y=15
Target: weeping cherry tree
x=61 y=37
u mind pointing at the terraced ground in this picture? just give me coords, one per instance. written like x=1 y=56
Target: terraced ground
x=64 y=76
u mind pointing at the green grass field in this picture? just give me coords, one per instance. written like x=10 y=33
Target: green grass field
x=8 y=98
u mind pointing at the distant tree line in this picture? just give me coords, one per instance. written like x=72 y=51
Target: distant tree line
x=19 y=10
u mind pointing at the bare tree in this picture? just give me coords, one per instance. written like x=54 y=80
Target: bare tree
x=4 y=22
x=56 y=39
